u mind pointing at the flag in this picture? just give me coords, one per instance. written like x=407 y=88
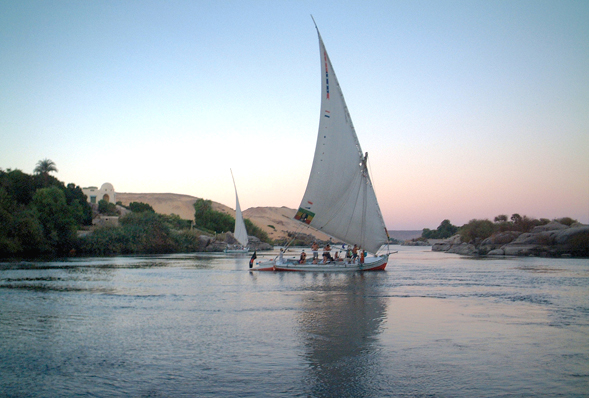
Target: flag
x=253 y=259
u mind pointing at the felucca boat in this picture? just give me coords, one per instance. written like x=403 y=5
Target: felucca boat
x=239 y=232
x=339 y=200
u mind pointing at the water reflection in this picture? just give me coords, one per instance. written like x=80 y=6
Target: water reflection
x=340 y=322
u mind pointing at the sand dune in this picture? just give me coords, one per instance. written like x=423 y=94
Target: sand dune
x=275 y=221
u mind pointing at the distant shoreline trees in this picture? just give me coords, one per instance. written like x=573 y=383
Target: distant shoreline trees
x=41 y=216
x=478 y=230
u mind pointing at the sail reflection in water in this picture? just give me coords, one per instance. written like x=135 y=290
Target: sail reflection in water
x=340 y=321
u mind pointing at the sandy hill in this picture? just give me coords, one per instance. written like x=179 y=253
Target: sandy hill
x=275 y=221
x=169 y=203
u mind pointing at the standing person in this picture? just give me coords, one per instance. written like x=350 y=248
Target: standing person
x=327 y=253
x=362 y=254
x=354 y=253
x=315 y=249
x=281 y=257
x=348 y=255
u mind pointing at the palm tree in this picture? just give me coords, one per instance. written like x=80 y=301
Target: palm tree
x=44 y=167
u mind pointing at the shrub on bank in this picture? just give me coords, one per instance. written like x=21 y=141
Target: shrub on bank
x=144 y=232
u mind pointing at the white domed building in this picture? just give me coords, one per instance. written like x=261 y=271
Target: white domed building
x=106 y=192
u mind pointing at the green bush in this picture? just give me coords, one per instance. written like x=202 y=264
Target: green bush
x=444 y=230
x=140 y=207
x=476 y=230
x=107 y=208
x=143 y=232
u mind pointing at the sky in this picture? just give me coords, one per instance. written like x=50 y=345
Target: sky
x=468 y=109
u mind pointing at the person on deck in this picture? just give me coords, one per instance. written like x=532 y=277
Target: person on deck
x=354 y=253
x=327 y=254
x=348 y=255
x=303 y=257
x=280 y=257
x=315 y=249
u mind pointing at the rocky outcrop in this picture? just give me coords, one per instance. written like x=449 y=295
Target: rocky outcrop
x=550 y=240
x=447 y=244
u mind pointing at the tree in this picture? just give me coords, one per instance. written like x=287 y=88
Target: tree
x=476 y=230
x=444 y=230
x=45 y=166
x=107 y=208
x=516 y=218
x=19 y=186
x=57 y=220
x=202 y=212
x=501 y=218
x=76 y=198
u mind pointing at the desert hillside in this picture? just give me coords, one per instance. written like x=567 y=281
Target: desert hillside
x=275 y=221
x=169 y=203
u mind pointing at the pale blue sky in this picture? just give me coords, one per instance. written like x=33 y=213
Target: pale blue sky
x=469 y=109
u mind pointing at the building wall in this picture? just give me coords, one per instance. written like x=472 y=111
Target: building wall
x=106 y=192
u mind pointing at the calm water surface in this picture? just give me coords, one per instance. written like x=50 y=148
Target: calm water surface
x=202 y=325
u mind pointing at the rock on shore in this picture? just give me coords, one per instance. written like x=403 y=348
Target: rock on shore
x=551 y=240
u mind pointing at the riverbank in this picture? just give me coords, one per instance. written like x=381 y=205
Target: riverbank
x=550 y=240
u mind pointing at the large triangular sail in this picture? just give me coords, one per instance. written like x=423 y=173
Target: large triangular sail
x=240 y=232
x=340 y=199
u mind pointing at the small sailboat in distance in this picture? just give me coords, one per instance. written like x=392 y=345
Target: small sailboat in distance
x=340 y=199
x=239 y=232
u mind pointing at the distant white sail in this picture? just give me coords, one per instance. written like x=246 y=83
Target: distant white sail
x=339 y=199
x=240 y=232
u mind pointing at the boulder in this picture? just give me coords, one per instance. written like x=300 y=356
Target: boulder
x=465 y=249
x=519 y=249
x=441 y=246
x=566 y=236
x=204 y=240
x=496 y=252
x=551 y=226
x=497 y=241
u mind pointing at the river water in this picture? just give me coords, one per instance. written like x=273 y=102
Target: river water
x=202 y=325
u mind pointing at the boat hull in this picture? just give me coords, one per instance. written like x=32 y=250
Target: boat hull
x=372 y=264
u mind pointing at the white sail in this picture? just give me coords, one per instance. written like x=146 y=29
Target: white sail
x=339 y=199
x=240 y=232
